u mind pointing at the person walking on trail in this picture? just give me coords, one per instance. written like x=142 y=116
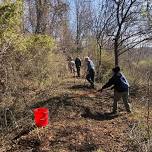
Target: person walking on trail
x=78 y=65
x=90 y=71
x=121 y=89
x=71 y=65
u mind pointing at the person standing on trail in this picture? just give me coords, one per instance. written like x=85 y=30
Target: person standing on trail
x=90 y=71
x=78 y=65
x=121 y=89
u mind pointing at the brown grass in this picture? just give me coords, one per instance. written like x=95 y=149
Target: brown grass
x=79 y=121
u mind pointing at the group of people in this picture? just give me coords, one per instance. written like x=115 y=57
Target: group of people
x=118 y=81
x=75 y=66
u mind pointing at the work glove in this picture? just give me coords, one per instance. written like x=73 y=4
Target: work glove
x=100 y=90
x=112 y=88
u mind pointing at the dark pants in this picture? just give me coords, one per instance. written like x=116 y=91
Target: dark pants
x=78 y=71
x=90 y=77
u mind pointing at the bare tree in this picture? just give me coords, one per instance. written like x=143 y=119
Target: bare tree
x=123 y=25
x=83 y=21
x=45 y=16
x=42 y=12
x=103 y=19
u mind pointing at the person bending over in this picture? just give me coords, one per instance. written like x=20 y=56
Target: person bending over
x=121 y=88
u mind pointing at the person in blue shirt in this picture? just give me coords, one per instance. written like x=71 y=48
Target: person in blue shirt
x=121 y=88
x=90 y=71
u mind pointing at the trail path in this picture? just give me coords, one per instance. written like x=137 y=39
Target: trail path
x=80 y=121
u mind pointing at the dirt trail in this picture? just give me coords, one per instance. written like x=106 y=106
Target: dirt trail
x=80 y=121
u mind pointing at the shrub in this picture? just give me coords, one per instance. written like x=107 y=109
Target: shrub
x=104 y=70
x=27 y=62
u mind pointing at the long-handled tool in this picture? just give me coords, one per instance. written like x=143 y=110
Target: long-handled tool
x=74 y=77
x=85 y=81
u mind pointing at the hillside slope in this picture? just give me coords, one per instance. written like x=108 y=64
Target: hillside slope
x=80 y=121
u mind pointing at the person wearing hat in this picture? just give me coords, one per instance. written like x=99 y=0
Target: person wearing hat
x=121 y=88
x=90 y=71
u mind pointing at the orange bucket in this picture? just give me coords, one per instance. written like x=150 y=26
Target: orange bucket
x=41 y=117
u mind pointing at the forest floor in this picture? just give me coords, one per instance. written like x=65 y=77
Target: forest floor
x=79 y=121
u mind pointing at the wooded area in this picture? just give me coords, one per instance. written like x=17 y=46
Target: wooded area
x=37 y=38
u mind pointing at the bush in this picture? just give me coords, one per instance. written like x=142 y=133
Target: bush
x=28 y=63
x=104 y=70
x=137 y=72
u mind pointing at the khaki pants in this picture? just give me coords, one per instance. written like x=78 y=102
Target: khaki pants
x=117 y=97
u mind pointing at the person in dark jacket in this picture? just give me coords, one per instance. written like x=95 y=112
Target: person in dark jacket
x=78 y=65
x=121 y=88
x=90 y=71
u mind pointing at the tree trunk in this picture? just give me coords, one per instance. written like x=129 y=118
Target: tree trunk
x=38 y=16
x=116 y=53
x=116 y=58
x=100 y=55
x=42 y=16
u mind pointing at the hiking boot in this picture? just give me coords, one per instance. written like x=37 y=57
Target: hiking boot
x=92 y=86
x=128 y=111
x=114 y=112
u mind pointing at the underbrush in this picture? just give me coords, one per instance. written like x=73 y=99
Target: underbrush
x=30 y=66
x=140 y=132
x=29 y=76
